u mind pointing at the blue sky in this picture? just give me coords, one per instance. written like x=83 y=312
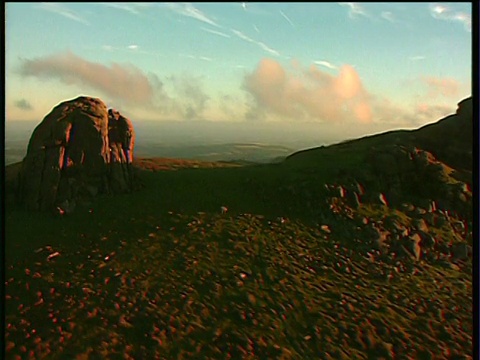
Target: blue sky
x=388 y=65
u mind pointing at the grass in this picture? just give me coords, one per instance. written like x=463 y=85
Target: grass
x=222 y=286
x=162 y=273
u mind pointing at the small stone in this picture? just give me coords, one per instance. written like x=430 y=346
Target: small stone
x=420 y=224
x=454 y=266
x=383 y=199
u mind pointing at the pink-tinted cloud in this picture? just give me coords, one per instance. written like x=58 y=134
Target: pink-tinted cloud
x=347 y=84
x=447 y=87
x=426 y=113
x=308 y=93
x=120 y=81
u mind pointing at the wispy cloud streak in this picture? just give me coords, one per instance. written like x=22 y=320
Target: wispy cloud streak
x=188 y=10
x=416 y=58
x=326 y=64
x=441 y=11
x=62 y=10
x=388 y=15
x=128 y=48
x=287 y=18
x=195 y=57
x=216 y=32
x=259 y=43
x=132 y=8
x=354 y=9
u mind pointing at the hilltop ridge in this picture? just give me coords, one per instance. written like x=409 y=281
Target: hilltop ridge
x=449 y=139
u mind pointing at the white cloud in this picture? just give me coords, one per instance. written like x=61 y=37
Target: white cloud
x=326 y=64
x=259 y=43
x=354 y=9
x=195 y=57
x=268 y=49
x=132 y=8
x=442 y=11
x=416 y=58
x=287 y=18
x=187 y=9
x=62 y=10
x=215 y=32
x=387 y=15
x=242 y=36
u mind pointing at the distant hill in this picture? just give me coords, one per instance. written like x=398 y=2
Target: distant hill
x=449 y=139
x=242 y=152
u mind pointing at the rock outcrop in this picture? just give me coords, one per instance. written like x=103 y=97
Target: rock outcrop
x=80 y=149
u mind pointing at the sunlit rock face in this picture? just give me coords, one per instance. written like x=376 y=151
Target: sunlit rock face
x=80 y=149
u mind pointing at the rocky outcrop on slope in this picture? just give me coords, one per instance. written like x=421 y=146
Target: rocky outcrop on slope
x=121 y=138
x=450 y=139
x=80 y=149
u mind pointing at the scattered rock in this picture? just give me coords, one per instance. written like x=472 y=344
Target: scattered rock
x=407 y=207
x=325 y=228
x=353 y=199
x=420 y=224
x=428 y=241
x=383 y=199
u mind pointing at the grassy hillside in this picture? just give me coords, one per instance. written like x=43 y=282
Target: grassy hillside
x=222 y=286
x=163 y=273
x=360 y=250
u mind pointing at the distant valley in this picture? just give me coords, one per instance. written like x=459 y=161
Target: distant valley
x=194 y=141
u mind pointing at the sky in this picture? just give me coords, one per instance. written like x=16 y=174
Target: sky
x=339 y=65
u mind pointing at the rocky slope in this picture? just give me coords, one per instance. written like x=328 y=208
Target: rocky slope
x=430 y=164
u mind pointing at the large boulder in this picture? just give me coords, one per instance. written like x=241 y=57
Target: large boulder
x=79 y=149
